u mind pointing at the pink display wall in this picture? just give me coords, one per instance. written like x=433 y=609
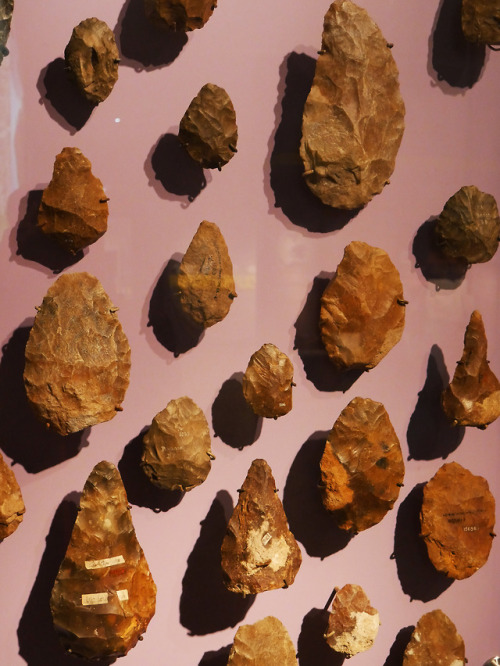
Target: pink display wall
x=284 y=245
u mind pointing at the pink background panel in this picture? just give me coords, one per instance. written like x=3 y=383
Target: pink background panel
x=284 y=245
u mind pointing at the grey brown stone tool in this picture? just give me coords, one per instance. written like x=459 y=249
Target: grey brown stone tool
x=362 y=467
x=208 y=129
x=266 y=643
x=481 y=21
x=176 y=448
x=353 y=118
x=92 y=59
x=457 y=520
x=473 y=396
x=259 y=552
x=435 y=640
x=468 y=227
x=77 y=359
x=362 y=312
x=353 y=623
x=205 y=279
x=104 y=595
x=179 y=15
x=74 y=207
x=268 y=381
x=12 y=507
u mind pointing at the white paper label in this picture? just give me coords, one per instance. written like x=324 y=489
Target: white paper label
x=94 y=599
x=106 y=562
x=266 y=538
x=122 y=595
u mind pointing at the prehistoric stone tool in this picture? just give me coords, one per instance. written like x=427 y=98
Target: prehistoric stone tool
x=435 y=640
x=176 y=453
x=259 y=552
x=268 y=381
x=77 y=365
x=457 y=520
x=266 y=643
x=481 y=21
x=92 y=59
x=205 y=279
x=353 y=118
x=104 y=595
x=473 y=396
x=353 y=623
x=362 y=312
x=6 y=9
x=74 y=207
x=362 y=468
x=181 y=15
x=468 y=228
x=12 y=506
x=208 y=129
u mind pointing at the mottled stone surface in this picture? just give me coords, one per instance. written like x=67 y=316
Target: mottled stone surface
x=181 y=15
x=362 y=312
x=481 y=21
x=469 y=226
x=205 y=279
x=266 y=643
x=74 y=209
x=259 y=552
x=104 y=595
x=268 y=381
x=6 y=9
x=176 y=453
x=353 y=623
x=77 y=357
x=473 y=396
x=353 y=119
x=435 y=641
x=208 y=129
x=11 y=501
x=92 y=59
x=362 y=468
x=457 y=520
